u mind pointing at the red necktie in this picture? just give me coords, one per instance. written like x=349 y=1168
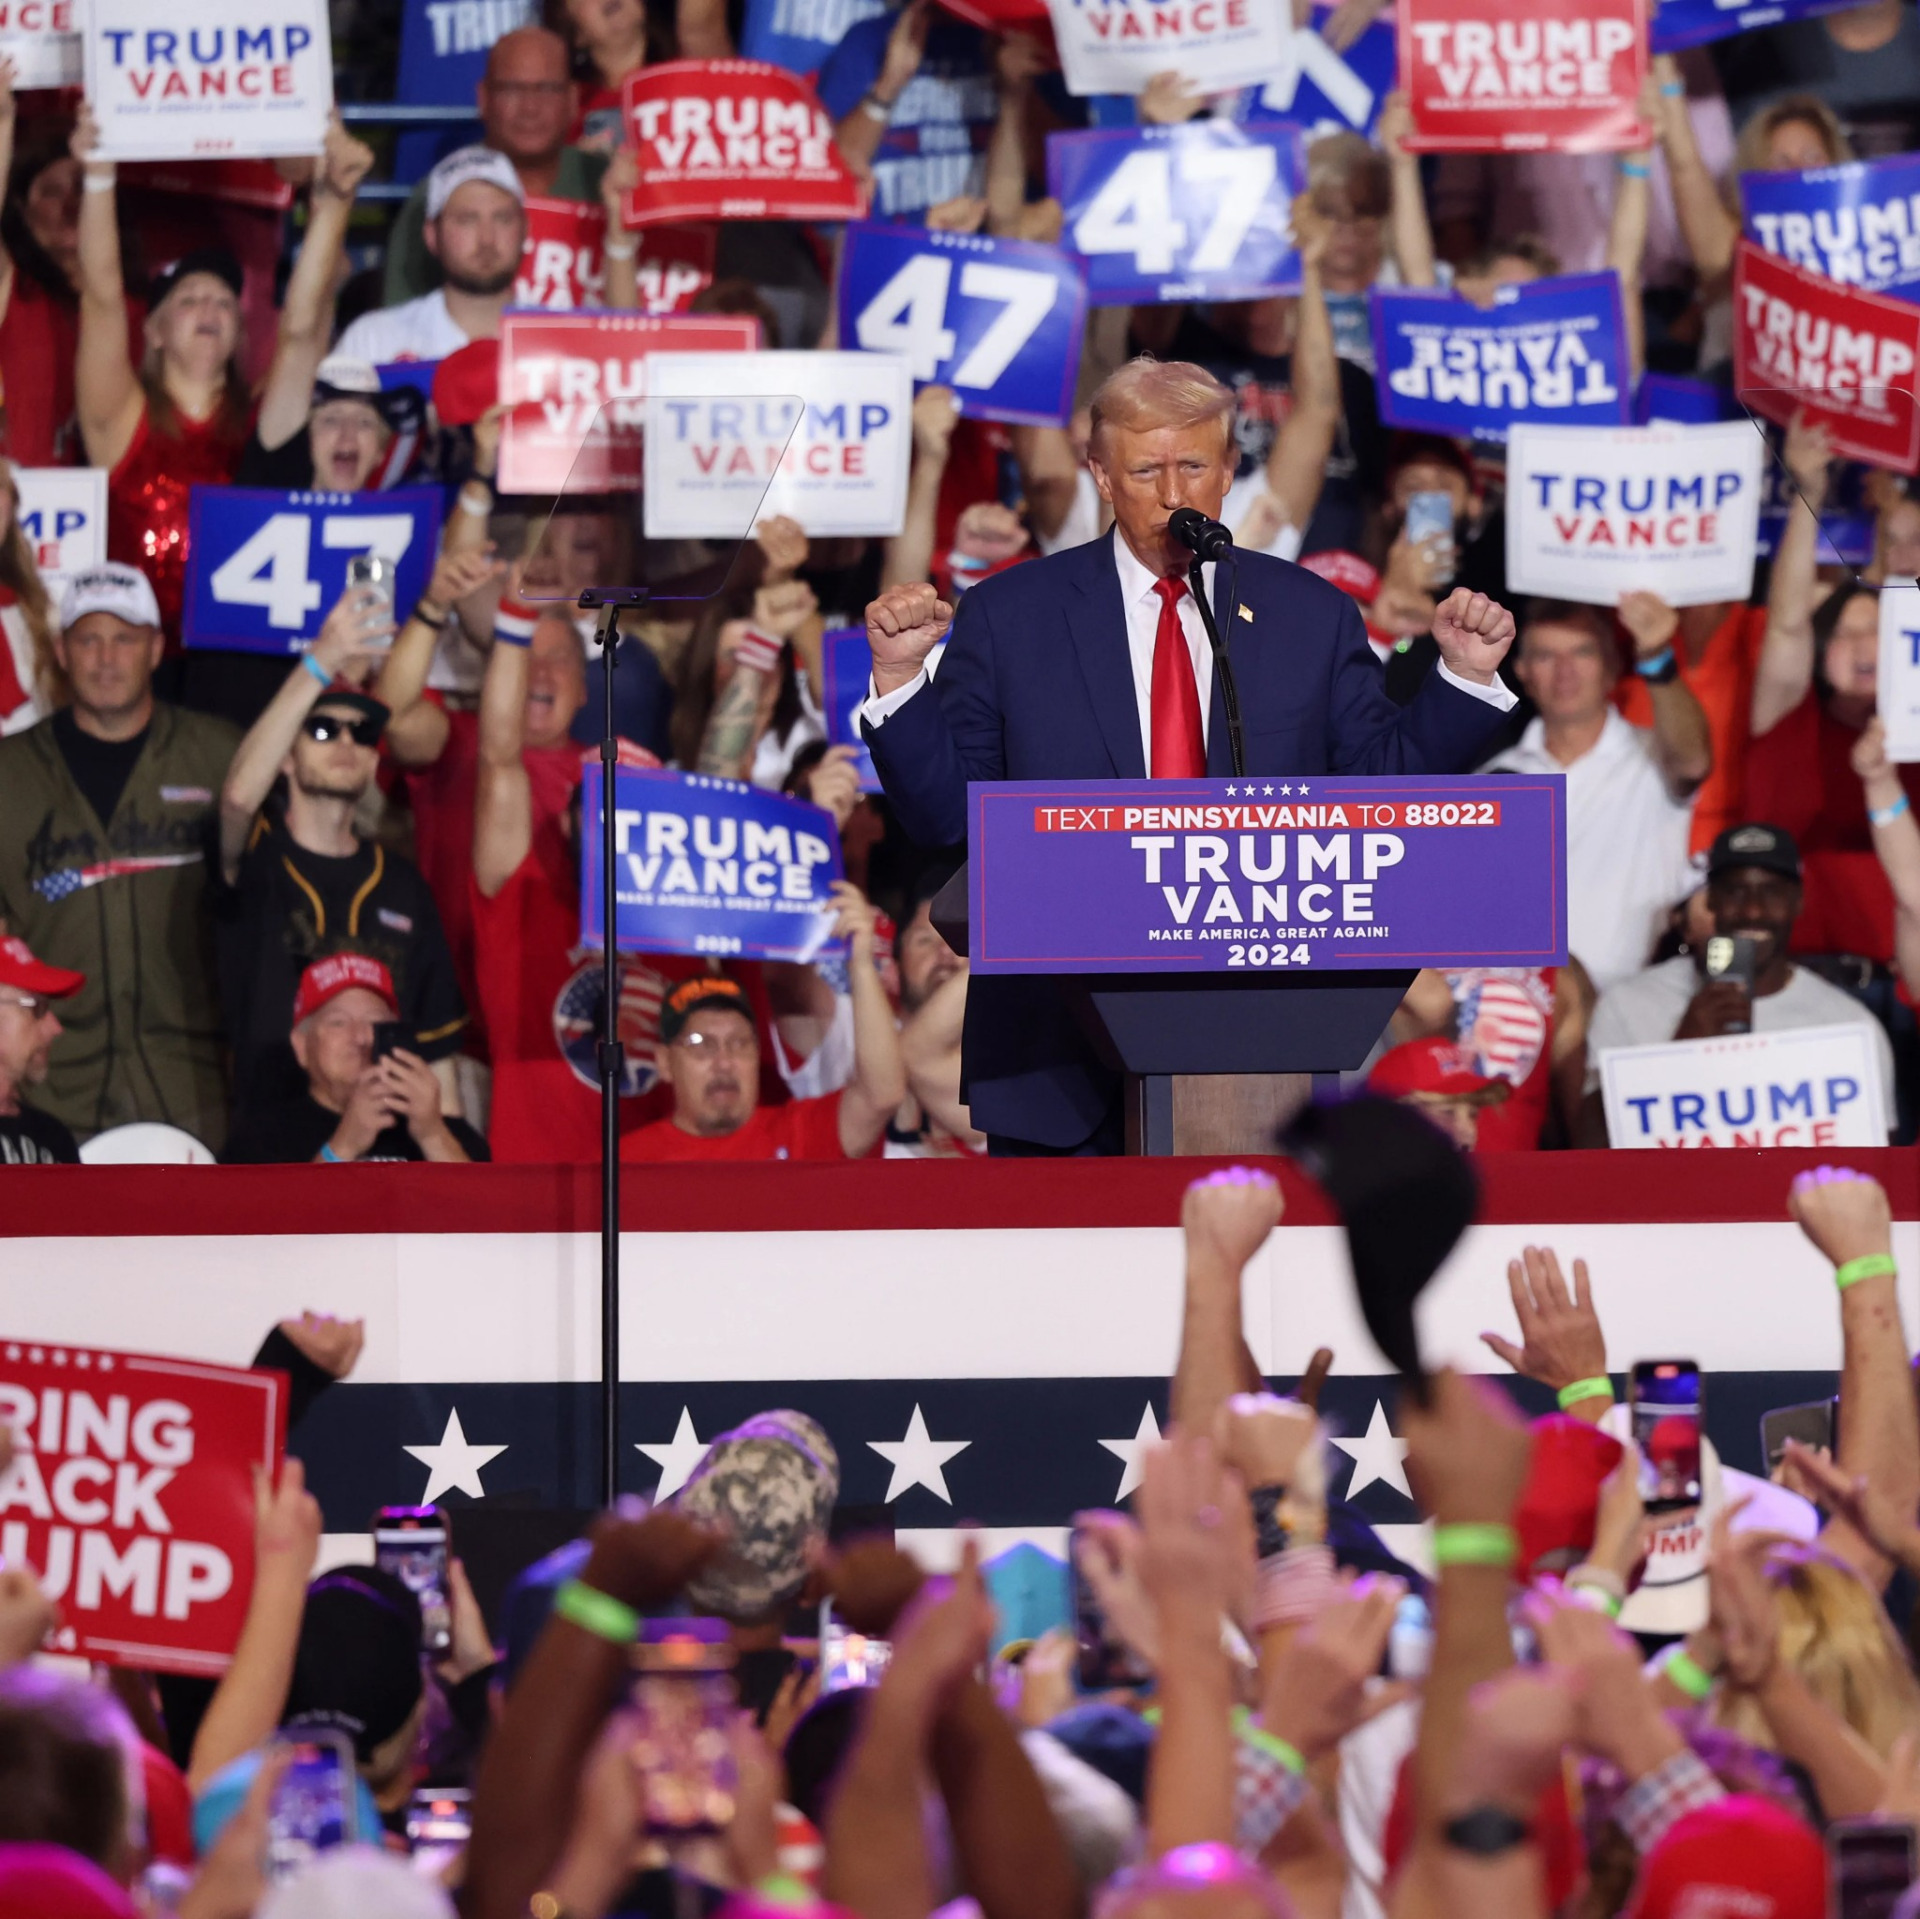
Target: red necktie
x=1179 y=747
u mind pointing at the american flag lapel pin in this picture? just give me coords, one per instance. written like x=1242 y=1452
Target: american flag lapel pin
x=1246 y=612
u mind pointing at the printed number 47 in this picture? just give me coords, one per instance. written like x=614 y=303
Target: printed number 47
x=269 y=569
x=1133 y=212
x=908 y=315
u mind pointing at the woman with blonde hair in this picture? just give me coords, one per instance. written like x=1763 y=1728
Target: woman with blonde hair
x=31 y=682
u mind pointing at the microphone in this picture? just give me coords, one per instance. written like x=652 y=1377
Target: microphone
x=1204 y=538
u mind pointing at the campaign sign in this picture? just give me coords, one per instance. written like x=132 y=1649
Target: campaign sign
x=1846 y=357
x=41 y=38
x=1687 y=402
x=63 y=513
x=131 y=1497
x=823 y=438
x=1117 y=46
x=1324 y=89
x=733 y=140
x=799 y=34
x=563 y=263
x=1327 y=873
x=1510 y=76
x=1192 y=212
x=1897 y=689
x=846 y=667
x=998 y=321
x=243 y=79
x=1858 y=224
x=705 y=865
x=576 y=385
x=1597 y=512
x=1812 y=1086
x=1552 y=352
x=444 y=46
x=1692 y=23
x=264 y=569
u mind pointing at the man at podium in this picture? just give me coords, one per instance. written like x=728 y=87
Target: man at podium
x=1095 y=664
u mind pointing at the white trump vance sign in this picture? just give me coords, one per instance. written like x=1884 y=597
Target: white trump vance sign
x=1898 y=687
x=1812 y=1086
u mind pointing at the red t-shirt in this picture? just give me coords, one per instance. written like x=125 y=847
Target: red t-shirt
x=801 y=1129
x=38 y=340
x=539 y=991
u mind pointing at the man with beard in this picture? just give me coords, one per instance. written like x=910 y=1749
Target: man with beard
x=299 y=884
x=476 y=227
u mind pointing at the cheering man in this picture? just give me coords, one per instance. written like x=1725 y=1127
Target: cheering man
x=1093 y=664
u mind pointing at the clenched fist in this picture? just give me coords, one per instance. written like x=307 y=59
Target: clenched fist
x=1473 y=634
x=904 y=625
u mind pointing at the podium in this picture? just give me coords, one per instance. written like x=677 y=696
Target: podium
x=1209 y=930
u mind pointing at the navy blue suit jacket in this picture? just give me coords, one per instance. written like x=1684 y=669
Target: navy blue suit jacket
x=1037 y=684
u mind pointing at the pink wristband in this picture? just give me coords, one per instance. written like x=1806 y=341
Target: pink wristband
x=1293 y=1587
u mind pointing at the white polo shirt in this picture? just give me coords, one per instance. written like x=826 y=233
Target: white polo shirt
x=1627 y=860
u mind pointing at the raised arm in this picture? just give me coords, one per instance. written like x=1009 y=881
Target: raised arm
x=252 y=1693
x=908 y=554
x=859 y=134
x=1297 y=466
x=357 y=623
x=1627 y=233
x=1682 y=745
x=1226 y=1218
x=879 y=1081
x=503 y=794
x=1049 y=476
x=700 y=26
x=622 y=254
x=7 y=121
x=417 y=733
x=1017 y=61
x=1784 y=675
x=306 y=311
x=930 y=1051
x=1408 y=226
x=1709 y=229
x=1896 y=842
x=107 y=393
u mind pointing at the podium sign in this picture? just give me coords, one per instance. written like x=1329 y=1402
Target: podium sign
x=1317 y=874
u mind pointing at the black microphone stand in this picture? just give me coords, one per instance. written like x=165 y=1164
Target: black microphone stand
x=610 y=602
x=1222 y=666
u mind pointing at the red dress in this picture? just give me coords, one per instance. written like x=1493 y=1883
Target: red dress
x=147 y=497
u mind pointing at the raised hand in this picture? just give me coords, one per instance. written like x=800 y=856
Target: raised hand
x=904 y=625
x=1473 y=634
x=1228 y=1215
x=333 y=1345
x=1467 y=1450
x=1560 y=1334
x=1844 y=1213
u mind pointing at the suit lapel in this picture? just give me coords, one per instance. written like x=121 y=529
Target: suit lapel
x=1097 y=620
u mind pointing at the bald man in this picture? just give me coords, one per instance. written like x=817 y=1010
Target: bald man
x=1093 y=664
x=527 y=102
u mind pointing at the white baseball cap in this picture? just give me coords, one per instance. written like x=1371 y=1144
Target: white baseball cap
x=110 y=587
x=471 y=163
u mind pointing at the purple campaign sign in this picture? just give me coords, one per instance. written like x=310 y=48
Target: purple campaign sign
x=705 y=865
x=1329 y=874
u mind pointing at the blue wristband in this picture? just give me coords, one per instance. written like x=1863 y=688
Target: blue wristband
x=318 y=671
x=330 y=1156
x=1657 y=666
x=1636 y=170
x=1886 y=815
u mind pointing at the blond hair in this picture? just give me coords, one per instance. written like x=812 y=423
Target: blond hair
x=1750 y=156
x=1147 y=393
x=1835 y=1634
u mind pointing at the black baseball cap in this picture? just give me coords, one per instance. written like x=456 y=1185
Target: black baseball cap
x=357 y=1666
x=693 y=996
x=221 y=262
x=355 y=701
x=1766 y=847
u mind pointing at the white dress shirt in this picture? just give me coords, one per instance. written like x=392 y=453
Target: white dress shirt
x=1142 y=605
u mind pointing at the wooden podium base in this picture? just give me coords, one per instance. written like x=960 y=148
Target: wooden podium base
x=1211 y=1113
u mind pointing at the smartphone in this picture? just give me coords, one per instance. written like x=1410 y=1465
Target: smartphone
x=374 y=573
x=315 y=1806
x=1812 y=1423
x=1871 y=1862
x=848 y=1658
x=1430 y=517
x=684 y=1695
x=389 y=1035
x=1665 y=1397
x=439 y=1824
x=1734 y=956
x=411 y=1542
x=1106 y=1661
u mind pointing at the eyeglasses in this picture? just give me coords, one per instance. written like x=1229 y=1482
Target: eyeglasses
x=520 y=89
x=34 y=1005
x=717 y=1046
x=322 y=727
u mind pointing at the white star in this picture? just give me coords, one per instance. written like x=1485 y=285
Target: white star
x=1231 y=791
x=1267 y=790
x=1303 y=789
x=454 y=1462
x=1286 y=789
x=677 y=1458
x=917 y=1459
x=1377 y=1456
x=1134 y=1451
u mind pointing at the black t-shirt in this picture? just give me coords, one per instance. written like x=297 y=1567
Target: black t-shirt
x=287 y=468
x=290 y=907
x=100 y=768
x=28 y=1138
x=290 y=1132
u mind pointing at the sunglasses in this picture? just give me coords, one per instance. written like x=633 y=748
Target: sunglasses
x=322 y=727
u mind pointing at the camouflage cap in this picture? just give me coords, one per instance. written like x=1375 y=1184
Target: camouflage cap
x=771 y=1482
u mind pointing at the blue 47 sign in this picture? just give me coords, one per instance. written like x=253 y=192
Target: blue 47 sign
x=1192 y=212
x=998 y=321
x=265 y=568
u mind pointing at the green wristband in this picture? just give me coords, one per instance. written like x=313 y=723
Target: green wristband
x=1275 y=1747
x=597 y=1612
x=1689 y=1675
x=1867 y=1266
x=784 y=1889
x=1575 y=1390
x=1482 y=1545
